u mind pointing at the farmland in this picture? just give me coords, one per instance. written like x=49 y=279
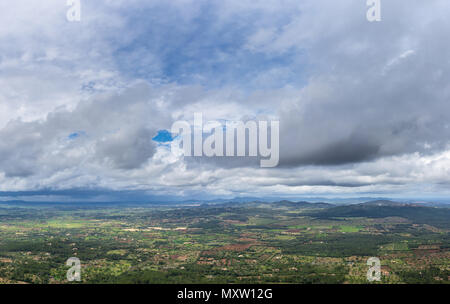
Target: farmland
x=223 y=243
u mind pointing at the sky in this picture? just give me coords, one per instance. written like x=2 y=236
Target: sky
x=85 y=107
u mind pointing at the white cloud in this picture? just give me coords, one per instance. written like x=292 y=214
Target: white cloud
x=363 y=107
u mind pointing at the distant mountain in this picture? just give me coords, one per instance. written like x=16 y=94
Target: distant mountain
x=433 y=204
x=303 y=205
x=439 y=217
x=384 y=203
x=315 y=205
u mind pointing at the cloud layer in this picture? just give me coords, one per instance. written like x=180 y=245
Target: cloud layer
x=363 y=107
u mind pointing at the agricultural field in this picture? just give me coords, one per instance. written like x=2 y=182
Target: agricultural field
x=253 y=242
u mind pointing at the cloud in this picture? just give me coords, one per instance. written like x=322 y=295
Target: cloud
x=117 y=132
x=397 y=60
x=361 y=104
x=363 y=107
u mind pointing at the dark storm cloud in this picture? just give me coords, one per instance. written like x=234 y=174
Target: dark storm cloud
x=117 y=130
x=378 y=90
x=127 y=150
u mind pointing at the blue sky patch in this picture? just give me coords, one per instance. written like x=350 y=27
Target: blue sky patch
x=163 y=136
x=75 y=135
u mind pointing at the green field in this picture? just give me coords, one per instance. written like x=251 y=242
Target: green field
x=223 y=243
